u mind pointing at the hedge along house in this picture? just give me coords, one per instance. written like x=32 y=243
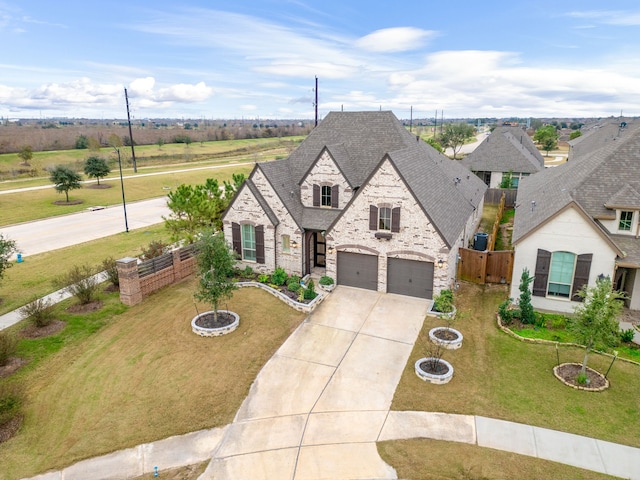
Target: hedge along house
x=507 y=151
x=362 y=200
x=579 y=220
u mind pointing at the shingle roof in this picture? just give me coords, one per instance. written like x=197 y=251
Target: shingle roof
x=506 y=149
x=591 y=181
x=358 y=142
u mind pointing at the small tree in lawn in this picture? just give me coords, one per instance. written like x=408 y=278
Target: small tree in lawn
x=526 y=309
x=65 y=179
x=96 y=167
x=595 y=324
x=216 y=262
x=7 y=248
x=26 y=154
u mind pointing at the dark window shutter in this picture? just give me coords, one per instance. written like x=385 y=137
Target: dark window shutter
x=316 y=195
x=334 y=196
x=236 y=238
x=373 y=217
x=581 y=275
x=395 y=220
x=542 y=273
x=260 y=244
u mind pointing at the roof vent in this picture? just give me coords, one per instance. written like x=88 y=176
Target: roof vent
x=533 y=205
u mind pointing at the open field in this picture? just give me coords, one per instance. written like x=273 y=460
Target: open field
x=125 y=376
x=218 y=152
x=34 y=276
x=500 y=377
x=37 y=204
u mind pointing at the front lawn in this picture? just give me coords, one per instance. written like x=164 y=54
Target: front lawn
x=498 y=376
x=135 y=375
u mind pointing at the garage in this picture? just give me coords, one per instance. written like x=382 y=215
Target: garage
x=358 y=270
x=410 y=277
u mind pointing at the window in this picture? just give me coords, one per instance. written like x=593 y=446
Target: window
x=248 y=242
x=286 y=244
x=325 y=197
x=561 y=274
x=384 y=222
x=626 y=219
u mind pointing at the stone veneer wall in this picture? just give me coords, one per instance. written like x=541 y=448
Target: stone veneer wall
x=325 y=172
x=133 y=288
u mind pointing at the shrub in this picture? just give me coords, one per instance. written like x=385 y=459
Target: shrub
x=248 y=271
x=507 y=312
x=294 y=286
x=110 y=266
x=582 y=379
x=11 y=399
x=8 y=345
x=154 y=249
x=79 y=282
x=326 y=280
x=262 y=278
x=279 y=276
x=443 y=302
x=527 y=314
x=310 y=291
x=627 y=335
x=294 y=278
x=39 y=311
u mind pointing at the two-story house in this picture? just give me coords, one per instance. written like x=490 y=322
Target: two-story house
x=579 y=220
x=363 y=199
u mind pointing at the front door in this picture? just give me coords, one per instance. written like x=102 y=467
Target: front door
x=320 y=245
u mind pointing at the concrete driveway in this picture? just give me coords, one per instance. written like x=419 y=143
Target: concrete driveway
x=319 y=405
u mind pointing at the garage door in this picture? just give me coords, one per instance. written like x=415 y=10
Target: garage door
x=357 y=270
x=410 y=277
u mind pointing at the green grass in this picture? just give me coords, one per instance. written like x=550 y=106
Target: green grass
x=123 y=376
x=33 y=277
x=38 y=204
x=422 y=459
x=498 y=376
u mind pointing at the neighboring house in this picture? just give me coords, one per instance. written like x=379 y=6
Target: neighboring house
x=364 y=201
x=506 y=151
x=579 y=220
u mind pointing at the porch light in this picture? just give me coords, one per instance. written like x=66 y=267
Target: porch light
x=330 y=250
x=294 y=244
x=440 y=263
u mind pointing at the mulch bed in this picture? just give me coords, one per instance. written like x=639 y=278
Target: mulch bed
x=207 y=320
x=86 y=308
x=9 y=429
x=70 y=202
x=12 y=365
x=445 y=334
x=569 y=373
x=31 y=331
x=440 y=367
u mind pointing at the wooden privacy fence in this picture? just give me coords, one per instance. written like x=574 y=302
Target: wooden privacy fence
x=485 y=266
x=493 y=195
x=496 y=223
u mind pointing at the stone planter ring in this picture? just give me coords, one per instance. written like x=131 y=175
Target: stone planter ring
x=447 y=337
x=214 y=332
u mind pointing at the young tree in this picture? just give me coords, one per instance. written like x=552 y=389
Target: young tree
x=82 y=142
x=7 y=248
x=575 y=134
x=527 y=314
x=434 y=143
x=26 y=154
x=65 y=179
x=595 y=324
x=547 y=138
x=96 y=167
x=216 y=260
x=455 y=135
x=507 y=180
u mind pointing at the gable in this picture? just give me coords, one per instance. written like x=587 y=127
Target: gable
x=248 y=207
x=325 y=172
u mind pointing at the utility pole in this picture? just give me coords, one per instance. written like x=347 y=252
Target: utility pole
x=411 y=120
x=315 y=103
x=133 y=152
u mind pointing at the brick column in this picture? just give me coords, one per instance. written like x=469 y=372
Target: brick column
x=130 y=293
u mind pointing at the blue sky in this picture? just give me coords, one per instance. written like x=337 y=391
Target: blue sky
x=258 y=59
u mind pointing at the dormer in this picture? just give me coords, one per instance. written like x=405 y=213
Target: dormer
x=626 y=205
x=324 y=185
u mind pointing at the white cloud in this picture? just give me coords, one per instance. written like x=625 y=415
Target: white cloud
x=398 y=39
x=609 y=17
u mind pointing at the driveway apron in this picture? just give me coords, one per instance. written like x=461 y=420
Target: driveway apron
x=318 y=406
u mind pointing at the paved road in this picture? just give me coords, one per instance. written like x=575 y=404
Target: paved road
x=467 y=148
x=63 y=231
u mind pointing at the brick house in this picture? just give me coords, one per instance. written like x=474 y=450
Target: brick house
x=507 y=150
x=580 y=220
x=362 y=200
